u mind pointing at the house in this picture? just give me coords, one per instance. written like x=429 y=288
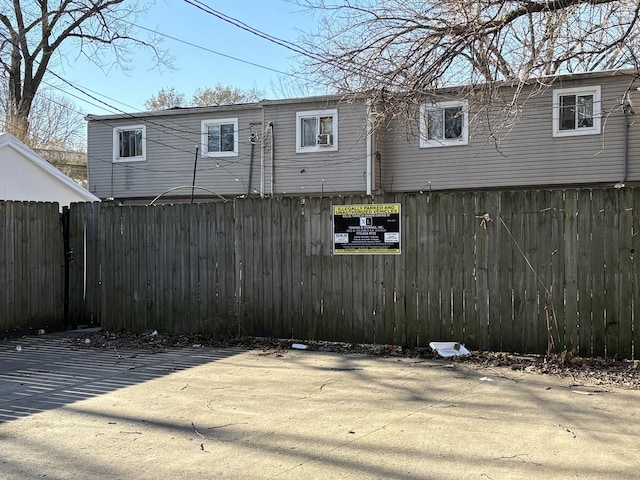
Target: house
x=565 y=130
x=275 y=147
x=26 y=176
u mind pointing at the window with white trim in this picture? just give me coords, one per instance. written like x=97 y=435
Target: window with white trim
x=220 y=137
x=129 y=144
x=576 y=111
x=316 y=131
x=444 y=124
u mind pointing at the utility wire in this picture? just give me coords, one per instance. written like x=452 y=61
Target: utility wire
x=200 y=47
x=138 y=118
x=237 y=23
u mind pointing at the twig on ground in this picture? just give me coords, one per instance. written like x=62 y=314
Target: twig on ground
x=197 y=432
x=226 y=425
x=567 y=430
x=328 y=382
x=519 y=457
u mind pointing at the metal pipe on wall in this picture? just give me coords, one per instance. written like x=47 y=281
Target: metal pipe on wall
x=271 y=180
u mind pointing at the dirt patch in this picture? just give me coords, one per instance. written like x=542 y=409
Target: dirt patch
x=583 y=371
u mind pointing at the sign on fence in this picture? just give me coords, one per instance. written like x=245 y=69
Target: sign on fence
x=366 y=229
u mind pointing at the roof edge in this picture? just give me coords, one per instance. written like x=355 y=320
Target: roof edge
x=8 y=140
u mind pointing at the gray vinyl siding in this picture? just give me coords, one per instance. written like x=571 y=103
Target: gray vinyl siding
x=328 y=172
x=526 y=153
x=276 y=167
x=522 y=153
x=171 y=142
x=633 y=140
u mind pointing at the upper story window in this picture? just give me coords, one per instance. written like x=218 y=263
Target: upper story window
x=220 y=137
x=129 y=144
x=444 y=124
x=316 y=131
x=576 y=111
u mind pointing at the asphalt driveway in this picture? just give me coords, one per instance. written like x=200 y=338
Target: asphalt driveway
x=70 y=412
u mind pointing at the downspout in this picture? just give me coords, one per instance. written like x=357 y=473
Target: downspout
x=252 y=140
x=369 y=174
x=262 y=157
x=195 y=168
x=627 y=108
x=271 y=181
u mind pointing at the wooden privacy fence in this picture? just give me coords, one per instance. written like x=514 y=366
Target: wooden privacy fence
x=168 y=267
x=549 y=266
x=31 y=267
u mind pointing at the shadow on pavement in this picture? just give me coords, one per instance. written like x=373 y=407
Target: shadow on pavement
x=49 y=371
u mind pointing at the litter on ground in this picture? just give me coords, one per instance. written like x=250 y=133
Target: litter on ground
x=449 y=349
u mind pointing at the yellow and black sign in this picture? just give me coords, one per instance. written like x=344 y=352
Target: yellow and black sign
x=366 y=229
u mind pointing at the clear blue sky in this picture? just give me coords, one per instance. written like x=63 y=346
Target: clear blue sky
x=194 y=67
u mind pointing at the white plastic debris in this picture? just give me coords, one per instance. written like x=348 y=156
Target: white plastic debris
x=484 y=219
x=18 y=348
x=196 y=345
x=485 y=379
x=449 y=349
x=154 y=333
x=299 y=346
x=87 y=341
x=40 y=331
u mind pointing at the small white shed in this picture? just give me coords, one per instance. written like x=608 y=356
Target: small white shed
x=26 y=176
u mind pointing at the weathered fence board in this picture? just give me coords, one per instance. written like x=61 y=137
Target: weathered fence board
x=545 y=215
x=458 y=270
x=571 y=219
x=625 y=259
x=598 y=293
x=585 y=279
x=634 y=254
x=611 y=225
x=508 y=331
x=31 y=267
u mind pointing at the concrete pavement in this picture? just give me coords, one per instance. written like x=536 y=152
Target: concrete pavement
x=68 y=412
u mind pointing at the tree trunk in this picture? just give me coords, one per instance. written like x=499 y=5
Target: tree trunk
x=18 y=126
x=21 y=95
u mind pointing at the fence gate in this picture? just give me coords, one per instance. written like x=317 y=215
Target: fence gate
x=31 y=268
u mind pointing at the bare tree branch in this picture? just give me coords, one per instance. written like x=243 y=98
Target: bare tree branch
x=33 y=30
x=410 y=48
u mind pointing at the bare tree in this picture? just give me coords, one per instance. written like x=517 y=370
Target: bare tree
x=293 y=86
x=203 y=97
x=224 y=95
x=165 y=98
x=408 y=47
x=54 y=121
x=32 y=31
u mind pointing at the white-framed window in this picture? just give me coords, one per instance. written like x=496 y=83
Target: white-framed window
x=576 y=111
x=316 y=131
x=444 y=124
x=220 y=137
x=130 y=143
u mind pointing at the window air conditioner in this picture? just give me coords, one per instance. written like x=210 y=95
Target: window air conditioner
x=325 y=140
